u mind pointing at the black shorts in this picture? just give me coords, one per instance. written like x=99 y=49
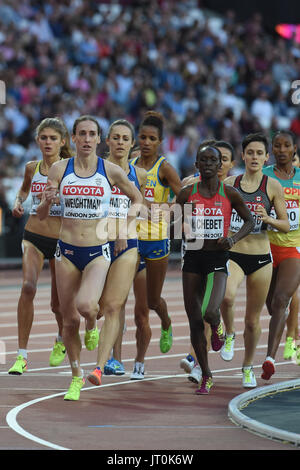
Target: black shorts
x=205 y=262
x=250 y=263
x=46 y=245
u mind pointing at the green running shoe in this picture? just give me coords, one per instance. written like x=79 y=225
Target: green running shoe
x=57 y=354
x=73 y=393
x=91 y=339
x=297 y=356
x=166 y=339
x=19 y=366
x=289 y=348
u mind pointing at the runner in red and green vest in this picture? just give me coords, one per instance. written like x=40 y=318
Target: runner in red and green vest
x=204 y=271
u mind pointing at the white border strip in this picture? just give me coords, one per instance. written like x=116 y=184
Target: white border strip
x=250 y=424
x=11 y=417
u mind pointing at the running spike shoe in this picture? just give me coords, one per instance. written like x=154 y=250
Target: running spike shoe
x=19 y=366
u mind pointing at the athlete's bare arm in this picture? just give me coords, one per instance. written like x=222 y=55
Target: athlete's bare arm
x=23 y=192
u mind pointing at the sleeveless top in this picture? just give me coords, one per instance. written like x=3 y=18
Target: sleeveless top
x=291 y=188
x=210 y=218
x=85 y=197
x=252 y=200
x=119 y=202
x=38 y=185
x=155 y=191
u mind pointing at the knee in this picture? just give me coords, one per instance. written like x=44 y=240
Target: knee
x=228 y=302
x=87 y=308
x=112 y=309
x=196 y=325
x=252 y=325
x=71 y=323
x=141 y=317
x=29 y=289
x=212 y=316
x=153 y=304
x=55 y=307
x=280 y=302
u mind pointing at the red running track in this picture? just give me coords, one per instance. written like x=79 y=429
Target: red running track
x=159 y=413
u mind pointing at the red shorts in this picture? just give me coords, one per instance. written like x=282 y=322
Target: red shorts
x=280 y=253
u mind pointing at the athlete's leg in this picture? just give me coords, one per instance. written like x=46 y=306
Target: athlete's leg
x=54 y=298
x=91 y=287
x=234 y=280
x=33 y=261
x=286 y=281
x=257 y=289
x=117 y=286
x=117 y=349
x=141 y=315
x=155 y=275
x=192 y=288
x=213 y=296
x=292 y=319
x=68 y=279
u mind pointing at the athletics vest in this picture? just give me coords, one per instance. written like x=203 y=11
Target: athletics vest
x=210 y=216
x=119 y=202
x=38 y=185
x=252 y=200
x=155 y=191
x=291 y=188
x=85 y=197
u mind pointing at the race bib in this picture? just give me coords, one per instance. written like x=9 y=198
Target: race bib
x=292 y=208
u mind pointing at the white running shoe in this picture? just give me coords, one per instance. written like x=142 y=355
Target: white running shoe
x=227 y=350
x=187 y=363
x=138 y=371
x=249 y=380
x=196 y=374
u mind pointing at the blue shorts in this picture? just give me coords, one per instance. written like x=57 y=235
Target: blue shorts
x=156 y=249
x=131 y=243
x=80 y=256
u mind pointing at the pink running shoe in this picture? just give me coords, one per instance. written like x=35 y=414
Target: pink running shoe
x=217 y=337
x=95 y=376
x=205 y=386
x=268 y=370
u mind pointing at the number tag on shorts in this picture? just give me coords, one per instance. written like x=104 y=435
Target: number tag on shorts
x=106 y=251
x=57 y=253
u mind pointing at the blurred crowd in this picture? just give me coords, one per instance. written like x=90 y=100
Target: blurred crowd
x=209 y=75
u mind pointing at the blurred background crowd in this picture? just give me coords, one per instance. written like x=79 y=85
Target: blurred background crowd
x=210 y=75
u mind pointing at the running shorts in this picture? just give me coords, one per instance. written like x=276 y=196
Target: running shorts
x=81 y=256
x=280 y=253
x=250 y=263
x=205 y=262
x=46 y=245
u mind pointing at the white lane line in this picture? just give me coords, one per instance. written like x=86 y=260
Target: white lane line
x=11 y=417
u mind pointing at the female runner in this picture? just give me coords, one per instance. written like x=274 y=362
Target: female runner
x=153 y=242
x=204 y=271
x=251 y=256
x=285 y=247
x=124 y=255
x=83 y=252
x=40 y=237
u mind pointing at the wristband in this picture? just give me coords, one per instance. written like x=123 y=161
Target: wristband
x=232 y=242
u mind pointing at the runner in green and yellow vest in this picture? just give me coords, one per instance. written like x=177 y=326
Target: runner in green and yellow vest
x=153 y=242
x=285 y=247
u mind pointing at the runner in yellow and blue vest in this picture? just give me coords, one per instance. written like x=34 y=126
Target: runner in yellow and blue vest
x=285 y=247
x=153 y=242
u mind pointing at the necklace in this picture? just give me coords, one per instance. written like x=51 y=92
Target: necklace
x=290 y=175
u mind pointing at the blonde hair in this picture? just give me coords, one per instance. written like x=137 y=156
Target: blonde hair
x=59 y=126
